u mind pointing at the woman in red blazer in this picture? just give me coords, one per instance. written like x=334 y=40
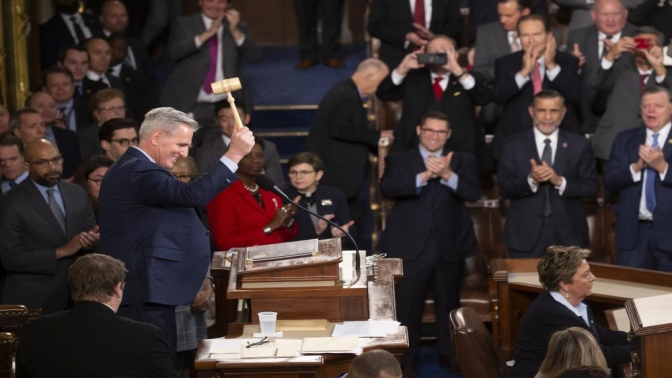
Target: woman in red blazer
x=244 y=215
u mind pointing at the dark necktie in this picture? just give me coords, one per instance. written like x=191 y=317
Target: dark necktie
x=58 y=213
x=419 y=12
x=78 y=29
x=12 y=184
x=547 y=156
x=438 y=91
x=604 y=46
x=642 y=82
x=650 y=182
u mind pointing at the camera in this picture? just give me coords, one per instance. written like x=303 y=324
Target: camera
x=433 y=58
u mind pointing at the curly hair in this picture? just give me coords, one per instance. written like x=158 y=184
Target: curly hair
x=559 y=264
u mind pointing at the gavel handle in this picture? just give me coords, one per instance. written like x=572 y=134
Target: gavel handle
x=232 y=102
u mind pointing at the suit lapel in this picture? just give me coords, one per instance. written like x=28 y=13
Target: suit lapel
x=592 y=47
x=42 y=207
x=531 y=146
x=561 y=154
x=70 y=204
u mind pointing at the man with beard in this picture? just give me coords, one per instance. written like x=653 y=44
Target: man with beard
x=45 y=224
x=67 y=27
x=546 y=172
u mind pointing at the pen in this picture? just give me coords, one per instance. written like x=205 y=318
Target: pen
x=276 y=353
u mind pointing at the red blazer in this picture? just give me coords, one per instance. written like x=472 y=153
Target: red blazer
x=237 y=220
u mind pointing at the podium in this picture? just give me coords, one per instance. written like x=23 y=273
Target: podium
x=651 y=320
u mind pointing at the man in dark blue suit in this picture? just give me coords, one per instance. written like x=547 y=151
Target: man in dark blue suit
x=637 y=169
x=147 y=218
x=429 y=228
x=546 y=172
x=66 y=28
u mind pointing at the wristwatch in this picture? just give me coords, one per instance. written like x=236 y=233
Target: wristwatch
x=267 y=230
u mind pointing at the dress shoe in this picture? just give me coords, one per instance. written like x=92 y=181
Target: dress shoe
x=334 y=63
x=305 y=64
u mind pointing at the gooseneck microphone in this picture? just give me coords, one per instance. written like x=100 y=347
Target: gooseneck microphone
x=267 y=183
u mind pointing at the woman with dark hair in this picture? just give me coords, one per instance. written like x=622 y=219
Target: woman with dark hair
x=245 y=215
x=90 y=176
x=305 y=171
x=567 y=280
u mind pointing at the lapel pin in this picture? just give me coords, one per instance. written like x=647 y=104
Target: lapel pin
x=326 y=202
x=275 y=203
x=457 y=94
x=564 y=145
x=669 y=141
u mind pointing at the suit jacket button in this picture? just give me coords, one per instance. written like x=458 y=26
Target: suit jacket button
x=207 y=233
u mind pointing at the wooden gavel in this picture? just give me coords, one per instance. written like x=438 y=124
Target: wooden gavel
x=227 y=86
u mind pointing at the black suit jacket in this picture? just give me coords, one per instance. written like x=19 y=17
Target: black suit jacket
x=341 y=136
x=29 y=238
x=435 y=212
x=574 y=161
x=650 y=14
x=136 y=88
x=68 y=146
x=90 y=87
x=82 y=112
x=328 y=201
x=391 y=20
x=516 y=102
x=55 y=36
x=546 y=316
x=89 y=142
x=104 y=343
x=458 y=103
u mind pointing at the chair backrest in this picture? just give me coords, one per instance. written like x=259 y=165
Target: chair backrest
x=476 y=353
x=7 y=353
x=13 y=317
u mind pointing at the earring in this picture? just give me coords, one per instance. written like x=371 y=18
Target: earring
x=567 y=294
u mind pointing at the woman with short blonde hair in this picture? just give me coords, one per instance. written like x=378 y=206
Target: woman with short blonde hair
x=570 y=348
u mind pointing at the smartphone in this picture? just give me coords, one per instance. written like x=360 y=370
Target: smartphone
x=433 y=58
x=643 y=43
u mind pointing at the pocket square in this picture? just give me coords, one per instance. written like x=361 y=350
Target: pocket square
x=326 y=202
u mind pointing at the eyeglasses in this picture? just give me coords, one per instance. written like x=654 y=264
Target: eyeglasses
x=182 y=177
x=113 y=108
x=126 y=142
x=58 y=160
x=263 y=341
x=300 y=173
x=441 y=133
x=96 y=181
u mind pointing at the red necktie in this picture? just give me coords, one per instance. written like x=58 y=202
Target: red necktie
x=536 y=79
x=438 y=91
x=212 y=71
x=419 y=12
x=642 y=82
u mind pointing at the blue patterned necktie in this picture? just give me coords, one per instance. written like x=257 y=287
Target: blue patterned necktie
x=58 y=213
x=650 y=182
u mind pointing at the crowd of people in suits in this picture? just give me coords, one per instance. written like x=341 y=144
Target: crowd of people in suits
x=77 y=157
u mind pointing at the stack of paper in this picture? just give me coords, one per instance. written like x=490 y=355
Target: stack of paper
x=229 y=346
x=324 y=345
x=370 y=328
x=280 y=348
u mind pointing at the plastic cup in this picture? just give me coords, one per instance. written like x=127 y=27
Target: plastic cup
x=267 y=322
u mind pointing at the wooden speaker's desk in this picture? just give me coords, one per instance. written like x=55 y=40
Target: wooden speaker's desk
x=517 y=284
x=380 y=305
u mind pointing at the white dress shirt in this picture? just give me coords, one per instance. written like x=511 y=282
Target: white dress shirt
x=539 y=139
x=71 y=27
x=95 y=77
x=600 y=41
x=644 y=213
x=466 y=80
x=659 y=79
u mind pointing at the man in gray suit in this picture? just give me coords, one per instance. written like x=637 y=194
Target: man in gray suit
x=624 y=73
x=206 y=47
x=590 y=44
x=45 y=223
x=581 y=11
x=216 y=142
x=500 y=38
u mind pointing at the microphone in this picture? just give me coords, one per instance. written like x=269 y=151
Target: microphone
x=267 y=183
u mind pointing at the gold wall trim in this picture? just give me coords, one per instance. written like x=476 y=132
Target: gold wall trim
x=285 y=107
x=15 y=61
x=271 y=134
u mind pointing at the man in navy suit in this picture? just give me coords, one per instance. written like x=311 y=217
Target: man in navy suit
x=147 y=218
x=66 y=28
x=521 y=75
x=637 y=169
x=546 y=172
x=429 y=228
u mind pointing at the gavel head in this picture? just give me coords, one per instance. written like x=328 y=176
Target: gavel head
x=226 y=85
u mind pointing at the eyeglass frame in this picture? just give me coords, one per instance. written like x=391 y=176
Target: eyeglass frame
x=58 y=160
x=126 y=142
x=300 y=173
x=112 y=108
x=95 y=181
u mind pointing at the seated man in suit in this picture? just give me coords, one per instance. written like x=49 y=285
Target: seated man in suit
x=100 y=57
x=60 y=84
x=210 y=144
x=624 y=73
x=12 y=165
x=56 y=133
x=521 y=75
x=637 y=169
x=206 y=47
x=403 y=30
x=46 y=222
x=429 y=228
x=91 y=330
x=76 y=59
x=447 y=88
x=546 y=173
x=116 y=136
x=66 y=28
x=107 y=104
x=27 y=125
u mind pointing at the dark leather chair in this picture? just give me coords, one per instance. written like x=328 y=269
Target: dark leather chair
x=7 y=354
x=476 y=353
x=14 y=317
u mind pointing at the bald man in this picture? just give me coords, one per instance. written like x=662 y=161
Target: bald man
x=377 y=363
x=45 y=225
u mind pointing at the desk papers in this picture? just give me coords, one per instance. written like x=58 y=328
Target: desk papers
x=654 y=311
x=370 y=328
x=326 y=345
x=280 y=348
